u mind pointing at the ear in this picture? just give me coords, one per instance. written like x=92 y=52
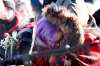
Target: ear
x=90 y=19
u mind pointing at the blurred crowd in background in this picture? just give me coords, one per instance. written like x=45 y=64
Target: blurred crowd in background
x=30 y=8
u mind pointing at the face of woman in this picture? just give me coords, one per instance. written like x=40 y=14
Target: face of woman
x=64 y=29
x=5 y=12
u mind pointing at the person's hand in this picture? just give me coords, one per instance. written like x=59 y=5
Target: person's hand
x=52 y=59
x=5 y=35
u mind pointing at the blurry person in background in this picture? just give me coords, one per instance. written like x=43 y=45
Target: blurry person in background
x=8 y=17
x=25 y=12
x=24 y=37
x=8 y=23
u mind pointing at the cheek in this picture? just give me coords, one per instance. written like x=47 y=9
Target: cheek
x=10 y=15
x=67 y=32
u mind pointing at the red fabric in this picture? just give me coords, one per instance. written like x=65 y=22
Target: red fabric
x=39 y=61
x=91 y=57
x=30 y=25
